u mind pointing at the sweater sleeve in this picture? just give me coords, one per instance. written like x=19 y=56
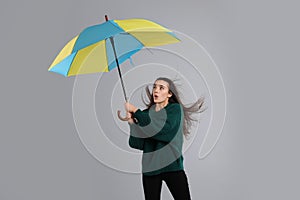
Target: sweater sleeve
x=160 y=126
x=142 y=117
x=135 y=141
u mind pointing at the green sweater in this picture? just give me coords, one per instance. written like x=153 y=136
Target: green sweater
x=160 y=136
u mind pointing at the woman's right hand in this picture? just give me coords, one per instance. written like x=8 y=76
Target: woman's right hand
x=130 y=108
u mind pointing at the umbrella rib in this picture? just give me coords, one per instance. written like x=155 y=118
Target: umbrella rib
x=71 y=63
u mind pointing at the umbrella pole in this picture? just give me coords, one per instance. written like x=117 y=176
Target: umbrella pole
x=119 y=70
x=116 y=58
x=120 y=74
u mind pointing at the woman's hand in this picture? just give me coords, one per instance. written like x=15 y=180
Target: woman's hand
x=129 y=117
x=130 y=108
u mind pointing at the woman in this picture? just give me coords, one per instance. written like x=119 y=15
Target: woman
x=158 y=131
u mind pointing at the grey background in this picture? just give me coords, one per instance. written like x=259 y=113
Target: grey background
x=255 y=45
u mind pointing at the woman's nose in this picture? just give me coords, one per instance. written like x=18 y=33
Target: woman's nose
x=155 y=89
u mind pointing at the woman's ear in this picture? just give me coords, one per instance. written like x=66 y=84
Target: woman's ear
x=170 y=94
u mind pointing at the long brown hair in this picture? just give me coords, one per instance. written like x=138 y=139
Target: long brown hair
x=196 y=107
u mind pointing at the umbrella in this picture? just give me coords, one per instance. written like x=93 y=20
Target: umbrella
x=103 y=47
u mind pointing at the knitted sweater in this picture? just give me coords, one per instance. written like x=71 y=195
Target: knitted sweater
x=159 y=134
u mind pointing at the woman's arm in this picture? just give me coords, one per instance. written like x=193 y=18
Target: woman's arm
x=135 y=141
x=159 y=126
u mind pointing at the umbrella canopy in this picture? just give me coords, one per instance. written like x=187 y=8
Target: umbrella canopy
x=100 y=48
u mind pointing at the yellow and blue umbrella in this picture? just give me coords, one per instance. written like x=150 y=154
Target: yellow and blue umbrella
x=102 y=47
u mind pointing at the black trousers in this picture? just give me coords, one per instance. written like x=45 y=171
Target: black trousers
x=176 y=181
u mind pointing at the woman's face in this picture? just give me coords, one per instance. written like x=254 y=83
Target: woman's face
x=160 y=92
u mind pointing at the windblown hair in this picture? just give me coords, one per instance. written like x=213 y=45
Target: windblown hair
x=196 y=107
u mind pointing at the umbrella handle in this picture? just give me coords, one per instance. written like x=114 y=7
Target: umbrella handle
x=122 y=118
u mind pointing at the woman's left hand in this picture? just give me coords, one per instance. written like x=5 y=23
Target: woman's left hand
x=129 y=117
